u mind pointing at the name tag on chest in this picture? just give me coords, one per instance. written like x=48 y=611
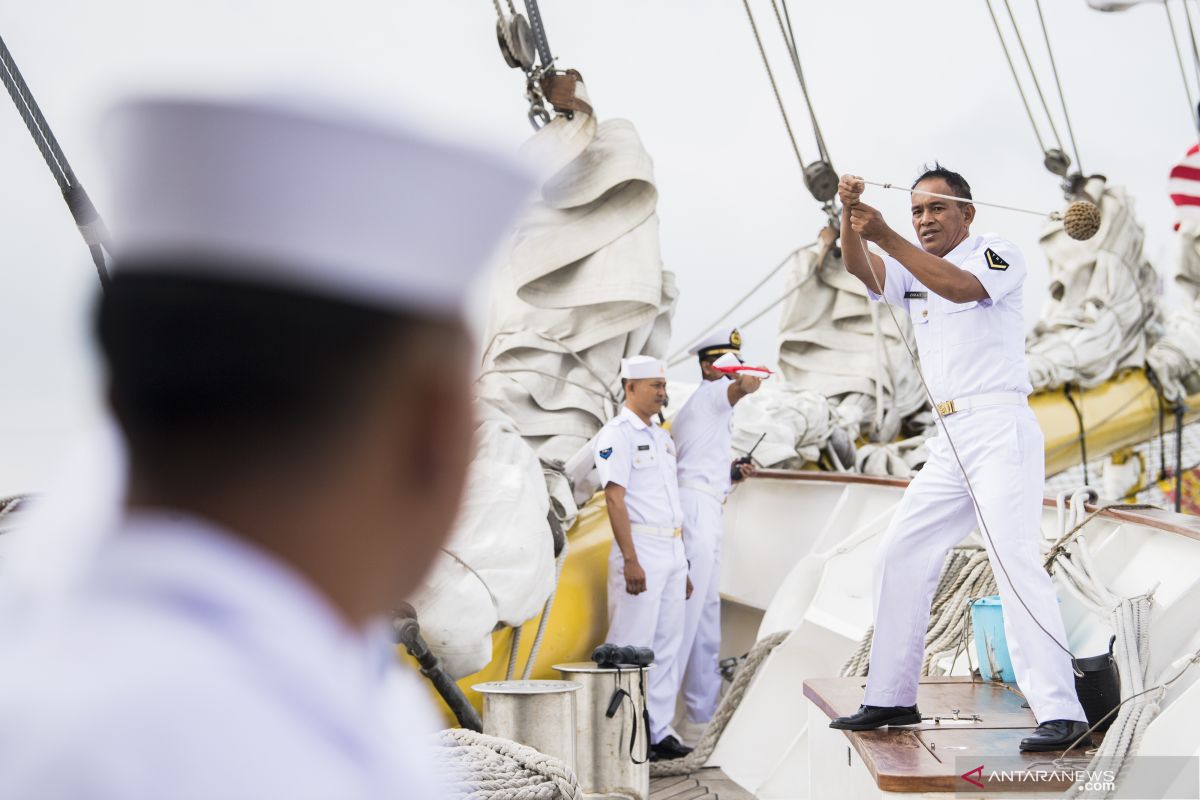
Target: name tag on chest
x=916 y=295
x=643 y=447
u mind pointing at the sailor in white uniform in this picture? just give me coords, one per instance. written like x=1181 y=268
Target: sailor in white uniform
x=963 y=294
x=702 y=431
x=647 y=568
x=281 y=275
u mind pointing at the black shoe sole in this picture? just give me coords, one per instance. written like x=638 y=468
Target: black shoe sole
x=907 y=719
x=1046 y=748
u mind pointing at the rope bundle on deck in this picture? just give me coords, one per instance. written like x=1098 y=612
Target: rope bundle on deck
x=474 y=766
x=966 y=576
x=746 y=672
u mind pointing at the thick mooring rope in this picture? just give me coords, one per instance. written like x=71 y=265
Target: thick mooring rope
x=729 y=704
x=474 y=766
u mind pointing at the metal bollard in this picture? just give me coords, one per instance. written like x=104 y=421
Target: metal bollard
x=538 y=714
x=610 y=723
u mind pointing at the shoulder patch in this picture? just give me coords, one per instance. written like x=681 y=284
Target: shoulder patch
x=605 y=453
x=994 y=261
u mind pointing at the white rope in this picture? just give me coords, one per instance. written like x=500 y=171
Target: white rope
x=474 y=766
x=742 y=679
x=1054 y=215
x=546 y=609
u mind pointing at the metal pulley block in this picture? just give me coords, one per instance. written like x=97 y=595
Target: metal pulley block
x=516 y=42
x=821 y=180
x=1057 y=162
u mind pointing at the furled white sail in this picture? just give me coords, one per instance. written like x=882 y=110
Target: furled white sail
x=1175 y=358
x=1101 y=311
x=582 y=286
x=833 y=340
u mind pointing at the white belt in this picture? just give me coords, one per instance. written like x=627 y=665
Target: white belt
x=981 y=400
x=650 y=530
x=704 y=488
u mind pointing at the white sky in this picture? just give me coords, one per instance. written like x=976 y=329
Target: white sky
x=896 y=83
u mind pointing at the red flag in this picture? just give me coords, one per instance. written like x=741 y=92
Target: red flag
x=1184 y=186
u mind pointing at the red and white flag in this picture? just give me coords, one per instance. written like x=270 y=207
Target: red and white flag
x=1184 y=186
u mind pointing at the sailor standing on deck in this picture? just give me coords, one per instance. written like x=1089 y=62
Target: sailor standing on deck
x=702 y=431
x=282 y=273
x=647 y=568
x=963 y=294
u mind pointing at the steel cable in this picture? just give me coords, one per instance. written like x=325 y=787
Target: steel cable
x=1058 y=83
x=789 y=38
x=774 y=87
x=1187 y=88
x=1033 y=74
x=1013 y=69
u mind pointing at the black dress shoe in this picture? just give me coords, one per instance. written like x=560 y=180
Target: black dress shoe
x=868 y=718
x=668 y=748
x=1054 y=734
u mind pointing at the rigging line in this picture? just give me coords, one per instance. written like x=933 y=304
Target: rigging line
x=1013 y=69
x=1192 y=36
x=774 y=88
x=31 y=114
x=539 y=33
x=683 y=351
x=1062 y=97
x=1033 y=73
x=1187 y=88
x=87 y=219
x=1052 y=215
x=789 y=38
x=954 y=449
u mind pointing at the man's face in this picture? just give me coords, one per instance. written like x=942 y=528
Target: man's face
x=647 y=395
x=708 y=371
x=940 y=224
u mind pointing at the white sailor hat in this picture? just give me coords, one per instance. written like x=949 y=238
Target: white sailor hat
x=716 y=344
x=638 y=367
x=301 y=197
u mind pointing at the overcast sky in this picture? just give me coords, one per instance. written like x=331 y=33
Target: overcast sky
x=896 y=83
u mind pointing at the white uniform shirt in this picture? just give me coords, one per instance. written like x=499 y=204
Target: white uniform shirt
x=703 y=434
x=968 y=348
x=189 y=664
x=641 y=458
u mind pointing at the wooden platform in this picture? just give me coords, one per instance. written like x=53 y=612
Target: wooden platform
x=925 y=757
x=705 y=784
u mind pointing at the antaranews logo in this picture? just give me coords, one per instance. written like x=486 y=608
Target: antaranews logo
x=1166 y=777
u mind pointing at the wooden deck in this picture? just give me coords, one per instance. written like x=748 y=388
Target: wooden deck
x=705 y=784
x=991 y=720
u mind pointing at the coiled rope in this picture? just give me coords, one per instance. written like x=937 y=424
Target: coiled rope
x=475 y=766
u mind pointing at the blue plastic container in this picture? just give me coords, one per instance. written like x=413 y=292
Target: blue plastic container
x=991 y=647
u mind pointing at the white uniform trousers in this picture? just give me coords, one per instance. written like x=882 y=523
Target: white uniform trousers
x=652 y=619
x=1002 y=450
x=702 y=531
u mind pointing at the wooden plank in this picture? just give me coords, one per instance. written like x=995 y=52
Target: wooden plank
x=922 y=758
x=715 y=784
x=674 y=790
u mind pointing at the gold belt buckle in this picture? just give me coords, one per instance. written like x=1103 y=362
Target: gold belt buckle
x=677 y=532
x=946 y=409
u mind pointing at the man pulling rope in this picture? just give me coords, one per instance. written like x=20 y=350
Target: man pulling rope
x=963 y=293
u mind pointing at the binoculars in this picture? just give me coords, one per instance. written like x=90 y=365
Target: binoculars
x=610 y=655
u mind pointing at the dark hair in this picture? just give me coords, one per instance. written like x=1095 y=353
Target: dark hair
x=957 y=183
x=204 y=365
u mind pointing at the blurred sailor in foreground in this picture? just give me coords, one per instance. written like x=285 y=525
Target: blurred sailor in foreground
x=647 y=568
x=281 y=276
x=702 y=431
